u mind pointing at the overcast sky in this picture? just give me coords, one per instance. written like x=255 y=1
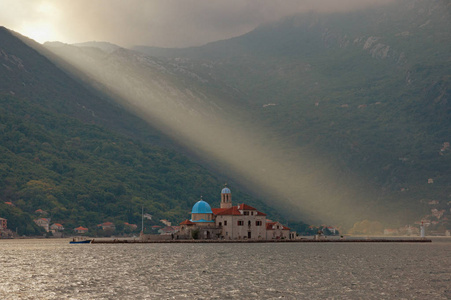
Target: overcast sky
x=163 y=23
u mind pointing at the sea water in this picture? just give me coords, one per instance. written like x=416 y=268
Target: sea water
x=54 y=269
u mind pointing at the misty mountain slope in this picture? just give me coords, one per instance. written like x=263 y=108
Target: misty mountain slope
x=323 y=53
x=419 y=32
x=181 y=104
x=56 y=157
x=28 y=74
x=335 y=118
x=369 y=89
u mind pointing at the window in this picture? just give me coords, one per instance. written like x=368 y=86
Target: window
x=258 y=223
x=220 y=224
x=240 y=223
x=249 y=223
x=225 y=223
x=246 y=213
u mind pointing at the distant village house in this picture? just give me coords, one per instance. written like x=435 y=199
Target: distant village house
x=3 y=224
x=56 y=227
x=166 y=222
x=81 y=230
x=44 y=223
x=131 y=226
x=107 y=226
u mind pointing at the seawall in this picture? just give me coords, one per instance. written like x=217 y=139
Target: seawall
x=137 y=241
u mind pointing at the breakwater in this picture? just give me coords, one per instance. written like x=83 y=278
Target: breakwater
x=375 y=240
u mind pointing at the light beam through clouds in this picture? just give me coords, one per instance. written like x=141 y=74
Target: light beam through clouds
x=297 y=182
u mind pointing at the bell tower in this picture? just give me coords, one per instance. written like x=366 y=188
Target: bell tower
x=226 y=197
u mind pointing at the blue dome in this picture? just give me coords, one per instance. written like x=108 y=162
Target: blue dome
x=226 y=191
x=201 y=207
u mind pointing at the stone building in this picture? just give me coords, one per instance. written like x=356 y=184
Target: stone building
x=201 y=225
x=107 y=226
x=56 y=227
x=43 y=222
x=240 y=222
x=3 y=223
x=81 y=230
x=275 y=230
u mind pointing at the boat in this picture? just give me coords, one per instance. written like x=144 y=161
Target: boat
x=80 y=241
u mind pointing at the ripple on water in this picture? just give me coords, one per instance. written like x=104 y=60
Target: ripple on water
x=53 y=269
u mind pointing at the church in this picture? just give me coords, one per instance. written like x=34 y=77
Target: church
x=228 y=222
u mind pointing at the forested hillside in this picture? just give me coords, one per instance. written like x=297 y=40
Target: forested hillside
x=369 y=90
x=81 y=159
x=342 y=117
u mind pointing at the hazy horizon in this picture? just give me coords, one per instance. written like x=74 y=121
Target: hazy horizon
x=154 y=23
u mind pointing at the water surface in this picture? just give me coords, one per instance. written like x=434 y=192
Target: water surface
x=54 y=269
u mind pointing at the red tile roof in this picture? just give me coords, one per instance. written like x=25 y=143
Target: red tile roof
x=269 y=226
x=243 y=206
x=58 y=224
x=234 y=210
x=81 y=228
x=187 y=222
x=216 y=211
x=229 y=211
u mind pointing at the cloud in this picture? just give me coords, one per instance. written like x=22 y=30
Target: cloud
x=165 y=23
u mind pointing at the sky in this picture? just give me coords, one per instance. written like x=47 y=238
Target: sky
x=163 y=23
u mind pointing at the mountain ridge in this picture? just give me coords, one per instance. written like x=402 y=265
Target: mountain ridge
x=59 y=156
x=371 y=81
x=366 y=92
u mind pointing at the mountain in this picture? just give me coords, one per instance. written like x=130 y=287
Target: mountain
x=104 y=46
x=368 y=89
x=331 y=118
x=84 y=160
x=350 y=112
